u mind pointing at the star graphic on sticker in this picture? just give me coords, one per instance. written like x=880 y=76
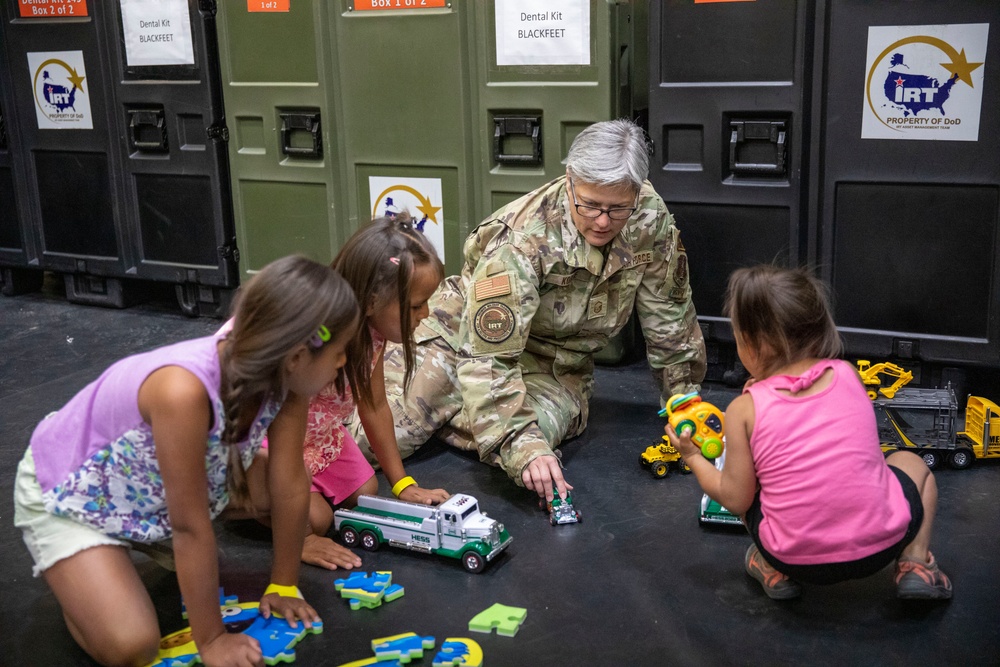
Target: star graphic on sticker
x=961 y=67
x=429 y=211
x=76 y=79
x=899 y=82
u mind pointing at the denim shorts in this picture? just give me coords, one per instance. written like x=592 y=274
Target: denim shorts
x=49 y=538
x=832 y=573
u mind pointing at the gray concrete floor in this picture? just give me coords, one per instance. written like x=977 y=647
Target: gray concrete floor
x=638 y=582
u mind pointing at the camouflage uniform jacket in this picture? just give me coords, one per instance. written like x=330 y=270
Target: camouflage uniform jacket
x=535 y=297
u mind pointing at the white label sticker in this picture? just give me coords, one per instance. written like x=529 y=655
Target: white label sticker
x=420 y=197
x=59 y=82
x=924 y=82
x=157 y=32
x=543 y=32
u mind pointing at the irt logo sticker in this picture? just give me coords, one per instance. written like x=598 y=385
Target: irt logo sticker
x=925 y=82
x=61 y=102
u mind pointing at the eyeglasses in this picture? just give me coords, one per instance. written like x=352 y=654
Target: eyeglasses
x=618 y=213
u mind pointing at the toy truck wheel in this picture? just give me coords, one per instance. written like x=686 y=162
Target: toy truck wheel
x=642 y=461
x=349 y=536
x=962 y=458
x=932 y=459
x=473 y=562
x=369 y=540
x=659 y=469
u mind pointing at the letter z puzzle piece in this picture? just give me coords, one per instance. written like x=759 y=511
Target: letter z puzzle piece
x=507 y=620
x=459 y=652
x=402 y=647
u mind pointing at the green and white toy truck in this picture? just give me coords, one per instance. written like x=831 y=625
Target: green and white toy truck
x=455 y=528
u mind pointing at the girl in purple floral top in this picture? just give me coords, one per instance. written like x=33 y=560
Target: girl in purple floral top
x=165 y=441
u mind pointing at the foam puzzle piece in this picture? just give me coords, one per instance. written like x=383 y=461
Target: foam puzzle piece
x=365 y=590
x=364 y=585
x=394 y=592
x=459 y=652
x=507 y=620
x=364 y=662
x=276 y=637
x=403 y=647
x=364 y=604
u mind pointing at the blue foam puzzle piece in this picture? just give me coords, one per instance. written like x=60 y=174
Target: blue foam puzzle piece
x=402 y=647
x=370 y=582
x=276 y=636
x=459 y=652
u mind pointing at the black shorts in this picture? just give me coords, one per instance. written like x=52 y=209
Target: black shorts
x=832 y=573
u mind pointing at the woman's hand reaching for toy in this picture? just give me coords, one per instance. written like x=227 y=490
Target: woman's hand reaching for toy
x=231 y=650
x=542 y=475
x=415 y=494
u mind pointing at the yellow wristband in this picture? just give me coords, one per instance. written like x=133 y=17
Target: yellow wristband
x=402 y=484
x=284 y=591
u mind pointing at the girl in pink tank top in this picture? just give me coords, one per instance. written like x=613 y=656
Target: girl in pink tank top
x=803 y=463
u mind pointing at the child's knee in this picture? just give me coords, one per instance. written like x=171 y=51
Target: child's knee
x=128 y=645
x=911 y=464
x=369 y=488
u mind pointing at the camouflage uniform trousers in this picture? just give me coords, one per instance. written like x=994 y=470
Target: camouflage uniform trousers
x=433 y=405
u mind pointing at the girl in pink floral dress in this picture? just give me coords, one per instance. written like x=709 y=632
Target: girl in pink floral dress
x=393 y=269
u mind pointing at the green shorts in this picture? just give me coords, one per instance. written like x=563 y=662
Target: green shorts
x=49 y=538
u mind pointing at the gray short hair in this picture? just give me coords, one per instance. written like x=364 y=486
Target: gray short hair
x=610 y=153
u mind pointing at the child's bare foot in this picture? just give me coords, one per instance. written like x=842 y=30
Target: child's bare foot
x=324 y=552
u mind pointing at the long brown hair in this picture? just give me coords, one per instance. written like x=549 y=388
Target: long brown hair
x=378 y=262
x=784 y=310
x=280 y=308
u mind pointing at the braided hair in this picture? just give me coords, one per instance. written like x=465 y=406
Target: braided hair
x=378 y=262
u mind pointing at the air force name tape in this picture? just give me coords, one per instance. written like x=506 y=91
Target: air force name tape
x=494 y=322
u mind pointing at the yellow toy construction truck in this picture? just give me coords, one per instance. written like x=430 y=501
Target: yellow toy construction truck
x=661 y=457
x=925 y=421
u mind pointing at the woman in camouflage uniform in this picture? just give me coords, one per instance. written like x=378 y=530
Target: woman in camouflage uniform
x=504 y=363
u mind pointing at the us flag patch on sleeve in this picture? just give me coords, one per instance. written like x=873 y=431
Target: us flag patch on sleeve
x=492 y=287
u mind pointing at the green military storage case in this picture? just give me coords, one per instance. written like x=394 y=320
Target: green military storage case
x=335 y=106
x=342 y=111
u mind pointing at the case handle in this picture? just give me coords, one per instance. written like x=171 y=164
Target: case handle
x=147 y=130
x=750 y=137
x=530 y=126
x=293 y=122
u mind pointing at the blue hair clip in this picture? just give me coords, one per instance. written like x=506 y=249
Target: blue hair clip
x=321 y=337
x=420 y=225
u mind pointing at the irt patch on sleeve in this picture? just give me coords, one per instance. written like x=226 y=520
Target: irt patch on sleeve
x=492 y=287
x=494 y=322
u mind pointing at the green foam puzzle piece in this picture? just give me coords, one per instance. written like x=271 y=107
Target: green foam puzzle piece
x=507 y=620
